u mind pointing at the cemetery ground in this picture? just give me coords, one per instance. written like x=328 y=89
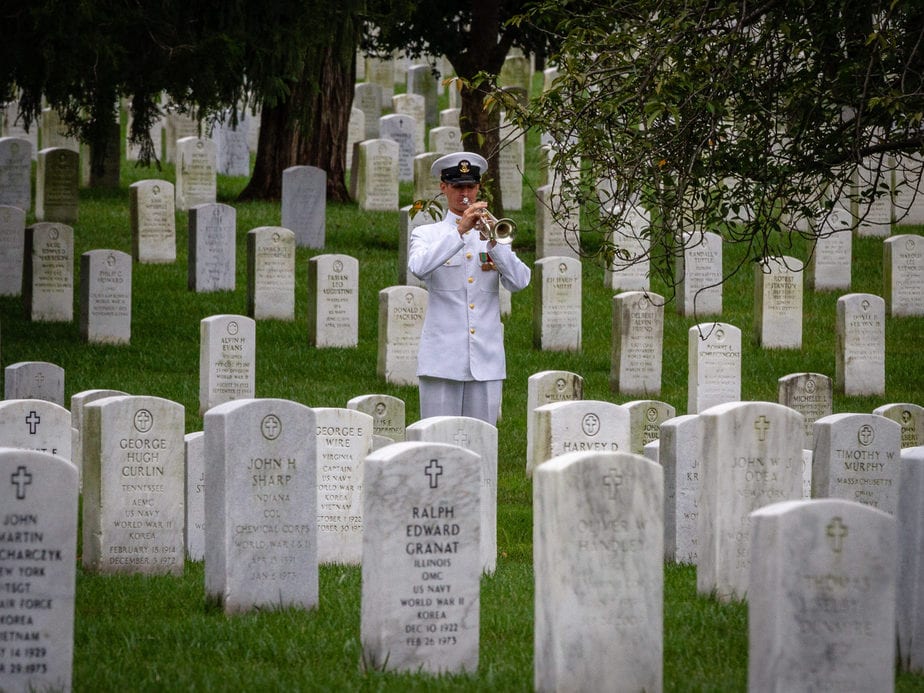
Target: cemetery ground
x=159 y=633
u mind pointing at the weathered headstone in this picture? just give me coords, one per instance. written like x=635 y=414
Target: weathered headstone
x=698 y=274
x=377 y=175
x=156 y=132
x=367 y=97
x=821 y=608
x=678 y=455
x=304 y=204
x=401 y=129
x=426 y=186
x=554 y=224
x=445 y=139
x=153 y=221
x=227 y=359
x=356 y=130
x=871 y=196
x=599 y=573
x=910 y=519
x=512 y=167
x=450 y=116
x=810 y=394
x=12 y=249
x=421 y=564
x=271 y=273
x=516 y=74
x=16 y=172
x=714 y=360
x=343 y=438
x=34 y=380
x=557 y=304
x=232 y=152
x=387 y=412
x=629 y=266
x=910 y=417
x=194 y=447
x=133 y=480
x=260 y=519
x=79 y=400
x=106 y=297
x=54 y=132
x=176 y=127
x=750 y=455
x=401 y=316
x=828 y=267
x=637 y=337
x=546 y=387
x=413 y=105
x=56 y=181
x=421 y=80
x=212 y=250
x=48 y=272
x=481 y=438
x=645 y=419
x=36 y=424
x=382 y=73
x=857 y=457
x=38 y=495
x=903 y=275
x=333 y=301
x=585 y=425
x=196 y=172
x=778 y=303
x=860 y=350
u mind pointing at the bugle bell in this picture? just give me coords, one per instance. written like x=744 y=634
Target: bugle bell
x=491 y=228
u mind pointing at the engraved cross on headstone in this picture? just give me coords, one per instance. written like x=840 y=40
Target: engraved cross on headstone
x=613 y=481
x=460 y=438
x=20 y=479
x=837 y=532
x=761 y=425
x=434 y=471
x=33 y=420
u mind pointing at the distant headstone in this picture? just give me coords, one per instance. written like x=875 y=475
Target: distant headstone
x=516 y=74
x=304 y=204
x=750 y=455
x=810 y=394
x=133 y=480
x=546 y=387
x=56 y=182
x=714 y=372
x=450 y=116
x=196 y=172
x=637 y=342
x=79 y=400
x=421 y=80
x=12 y=249
x=678 y=455
x=584 y=425
x=860 y=351
x=34 y=380
x=903 y=275
x=153 y=221
x=260 y=518
x=402 y=129
x=39 y=547
x=12 y=125
x=857 y=458
x=55 y=133
x=698 y=275
x=557 y=304
x=872 y=214
x=599 y=573
x=512 y=170
x=421 y=565
x=821 y=605
x=48 y=272
x=413 y=105
x=910 y=417
x=445 y=139
x=177 y=126
x=271 y=273
x=36 y=424
x=426 y=186
x=333 y=301
x=910 y=519
x=227 y=359
x=212 y=251
x=193 y=445
x=232 y=152
x=106 y=297
x=387 y=414
x=356 y=129
x=481 y=438
x=16 y=172
x=377 y=175
x=778 y=303
x=645 y=419
x=401 y=316
x=828 y=267
x=367 y=97
x=381 y=73
x=553 y=238
x=630 y=265
x=133 y=151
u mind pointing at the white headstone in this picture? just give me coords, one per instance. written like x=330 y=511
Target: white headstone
x=387 y=412
x=381 y=73
x=227 y=359
x=557 y=304
x=511 y=164
x=34 y=380
x=426 y=186
x=910 y=417
x=212 y=256
x=106 y=297
x=645 y=419
x=829 y=264
x=445 y=139
x=903 y=275
x=176 y=127
x=377 y=175
x=79 y=400
x=401 y=316
x=678 y=454
x=196 y=172
x=421 y=565
x=36 y=424
x=271 y=273
x=546 y=387
x=48 y=272
x=860 y=351
x=56 y=181
x=810 y=394
x=778 y=303
x=421 y=80
x=16 y=172
x=714 y=360
x=194 y=446
x=698 y=275
x=553 y=223
x=54 y=131
x=910 y=519
x=413 y=105
x=304 y=204
x=153 y=221
x=585 y=425
x=367 y=97
x=356 y=129
x=871 y=202
x=637 y=342
x=629 y=267
x=12 y=249
x=231 y=148
x=333 y=301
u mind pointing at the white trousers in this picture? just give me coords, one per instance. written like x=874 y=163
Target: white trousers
x=479 y=399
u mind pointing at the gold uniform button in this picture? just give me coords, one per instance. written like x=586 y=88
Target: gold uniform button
x=472 y=330
x=471 y=279
x=472 y=306
x=468 y=256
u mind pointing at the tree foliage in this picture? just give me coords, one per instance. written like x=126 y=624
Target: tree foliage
x=752 y=119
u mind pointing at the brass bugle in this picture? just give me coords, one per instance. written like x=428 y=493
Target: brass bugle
x=491 y=228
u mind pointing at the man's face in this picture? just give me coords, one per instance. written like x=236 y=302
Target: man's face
x=456 y=193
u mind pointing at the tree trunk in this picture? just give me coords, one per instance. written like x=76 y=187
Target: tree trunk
x=481 y=134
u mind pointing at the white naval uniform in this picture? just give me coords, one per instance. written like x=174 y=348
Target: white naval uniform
x=462 y=337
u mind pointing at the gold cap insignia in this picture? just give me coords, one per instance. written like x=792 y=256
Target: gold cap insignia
x=464 y=166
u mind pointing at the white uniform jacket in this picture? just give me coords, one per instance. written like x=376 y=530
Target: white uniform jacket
x=462 y=334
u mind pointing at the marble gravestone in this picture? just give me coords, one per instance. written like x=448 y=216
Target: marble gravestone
x=860 y=345
x=637 y=337
x=584 y=425
x=810 y=394
x=16 y=173
x=409 y=219
x=12 y=249
x=778 y=303
x=910 y=519
x=629 y=267
x=512 y=170
x=400 y=323
x=698 y=275
x=872 y=190
x=260 y=514
x=153 y=221
x=271 y=273
x=401 y=129
x=381 y=73
x=333 y=301
x=426 y=187
x=356 y=131
x=194 y=527
x=829 y=266
x=212 y=248
x=106 y=297
x=555 y=225
x=343 y=438
x=38 y=494
x=367 y=97
x=750 y=455
x=645 y=419
x=387 y=412
x=79 y=400
x=413 y=105
x=599 y=573
x=546 y=387
x=421 y=565
x=227 y=359
x=48 y=273
x=133 y=482
x=557 y=304
x=196 y=172
x=678 y=455
x=56 y=183
x=421 y=80
x=481 y=438
x=34 y=380
x=177 y=126
x=376 y=175
x=445 y=139
x=903 y=275
x=232 y=152
x=36 y=424
x=821 y=605
x=304 y=204
x=714 y=365
x=857 y=457
x=910 y=417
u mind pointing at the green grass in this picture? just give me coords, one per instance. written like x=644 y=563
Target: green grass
x=158 y=633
